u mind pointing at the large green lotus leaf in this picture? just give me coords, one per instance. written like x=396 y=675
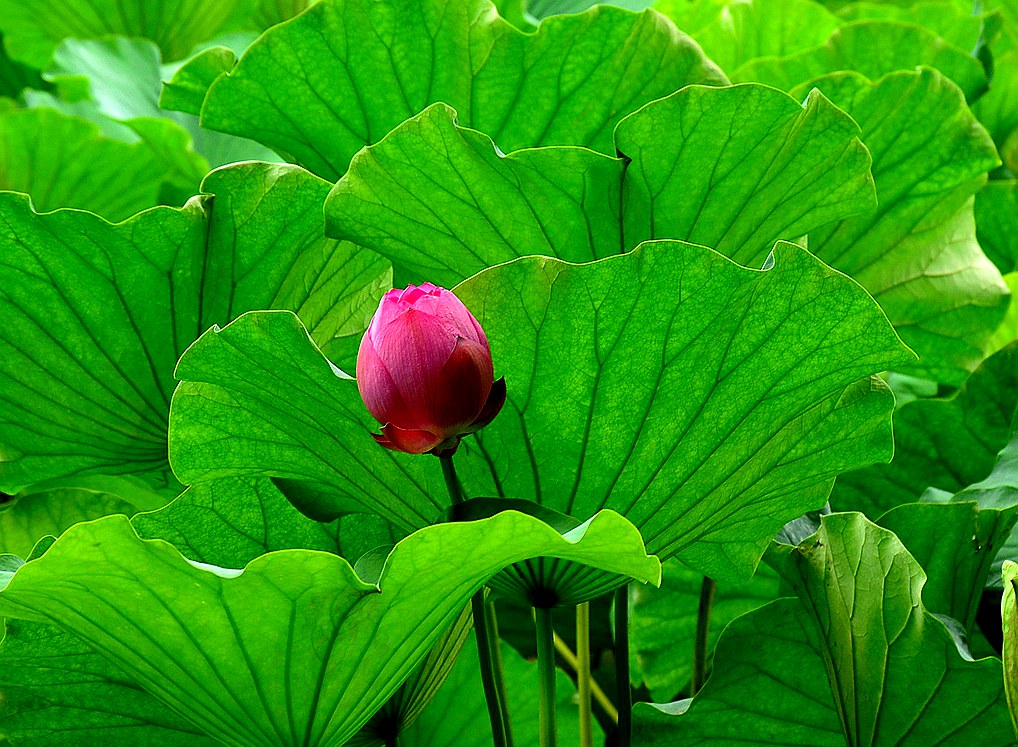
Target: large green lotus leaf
x=33 y=30
x=59 y=693
x=346 y=72
x=874 y=49
x=749 y=166
x=96 y=315
x=862 y=589
x=946 y=444
x=706 y=402
x=32 y=516
x=748 y=29
x=955 y=543
x=1007 y=332
x=952 y=20
x=1009 y=619
x=458 y=714
x=663 y=622
x=732 y=168
x=997 y=223
x=207 y=641
x=65 y=161
x=916 y=252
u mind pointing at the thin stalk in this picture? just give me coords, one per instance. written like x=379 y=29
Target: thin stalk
x=583 y=677
x=503 y=697
x=485 y=645
x=625 y=695
x=567 y=655
x=546 y=676
x=702 y=627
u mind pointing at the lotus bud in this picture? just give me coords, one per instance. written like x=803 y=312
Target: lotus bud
x=424 y=371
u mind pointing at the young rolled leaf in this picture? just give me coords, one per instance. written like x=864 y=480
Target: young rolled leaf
x=207 y=641
x=706 y=402
x=127 y=299
x=568 y=83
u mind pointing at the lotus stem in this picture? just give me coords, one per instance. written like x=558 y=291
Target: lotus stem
x=546 y=675
x=707 y=589
x=583 y=677
x=625 y=694
x=485 y=645
x=567 y=655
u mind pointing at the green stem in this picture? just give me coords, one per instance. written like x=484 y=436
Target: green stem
x=485 y=644
x=624 y=698
x=702 y=626
x=503 y=696
x=583 y=673
x=546 y=675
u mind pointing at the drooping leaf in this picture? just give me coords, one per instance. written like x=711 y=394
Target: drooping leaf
x=916 y=252
x=873 y=49
x=895 y=673
x=731 y=168
x=59 y=693
x=946 y=444
x=348 y=643
x=569 y=83
x=663 y=622
x=707 y=403
x=96 y=315
x=121 y=79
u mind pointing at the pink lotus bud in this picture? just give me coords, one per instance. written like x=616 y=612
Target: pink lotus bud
x=424 y=371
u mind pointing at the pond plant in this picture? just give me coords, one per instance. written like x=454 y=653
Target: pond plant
x=448 y=373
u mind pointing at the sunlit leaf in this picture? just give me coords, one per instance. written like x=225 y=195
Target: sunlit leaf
x=707 y=403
